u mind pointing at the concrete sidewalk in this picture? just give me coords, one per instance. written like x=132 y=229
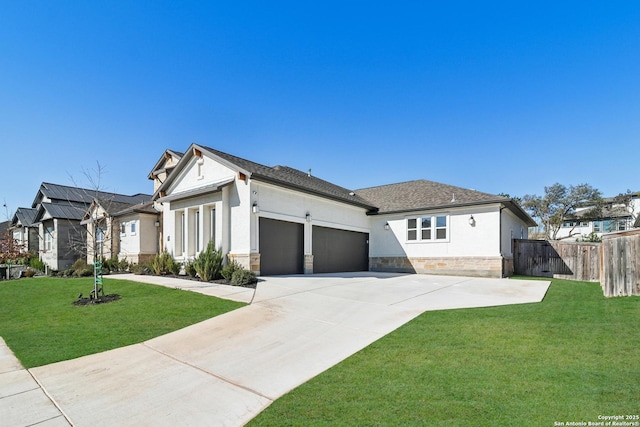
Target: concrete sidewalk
x=225 y=370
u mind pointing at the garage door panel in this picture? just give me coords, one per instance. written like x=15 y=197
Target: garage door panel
x=337 y=250
x=281 y=247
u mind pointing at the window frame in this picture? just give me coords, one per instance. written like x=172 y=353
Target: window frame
x=432 y=229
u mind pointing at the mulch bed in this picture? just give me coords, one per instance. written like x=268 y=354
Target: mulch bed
x=100 y=300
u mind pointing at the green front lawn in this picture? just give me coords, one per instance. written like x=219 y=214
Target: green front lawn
x=570 y=358
x=41 y=326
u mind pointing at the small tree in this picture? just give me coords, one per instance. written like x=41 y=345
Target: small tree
x=559 y=203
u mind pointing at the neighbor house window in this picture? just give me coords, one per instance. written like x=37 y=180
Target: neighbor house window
x=133 y=228
x=48 y=238
x=432 y=228
x=99 y=235
x=123 y=229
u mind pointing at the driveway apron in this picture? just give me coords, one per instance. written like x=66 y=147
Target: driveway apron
x=225 y=370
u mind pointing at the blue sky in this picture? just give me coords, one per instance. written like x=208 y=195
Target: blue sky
x=496 y=96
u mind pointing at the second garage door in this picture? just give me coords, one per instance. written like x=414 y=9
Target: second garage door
x=337 y=251
x=281 y=247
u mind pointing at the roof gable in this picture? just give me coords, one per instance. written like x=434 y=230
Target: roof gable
x=283 y=176
x=168 y=160
x=24 y=216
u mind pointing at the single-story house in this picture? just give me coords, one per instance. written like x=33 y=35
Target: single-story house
x=122 y=230
x=279 y=220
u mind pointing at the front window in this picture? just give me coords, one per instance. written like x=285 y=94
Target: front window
x=412 y=229
x=431 y=228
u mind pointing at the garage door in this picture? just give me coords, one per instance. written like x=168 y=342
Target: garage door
x=337 y=251
x=281 y=247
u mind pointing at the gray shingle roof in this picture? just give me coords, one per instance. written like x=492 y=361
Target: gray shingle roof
x=422 y=194
x=4 y=226
x=293 y=178
x=402 y=197
x=146 y=207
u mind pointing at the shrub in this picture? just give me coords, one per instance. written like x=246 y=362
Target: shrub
x=140 y=269
x=84 y=272
x=79 y=264
x=243 y=277
x=229 y=269
x=208 y=265
x=36 y=264
x=30 y=272
x=190 y=269
x=163 y=264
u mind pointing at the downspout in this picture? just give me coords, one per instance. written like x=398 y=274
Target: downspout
x=500 y=239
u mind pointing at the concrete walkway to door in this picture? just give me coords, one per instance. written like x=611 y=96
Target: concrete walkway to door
x=225 y=370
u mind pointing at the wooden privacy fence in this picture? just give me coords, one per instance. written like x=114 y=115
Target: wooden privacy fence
x=561 y=260
x=620 y=275
x=615 y=262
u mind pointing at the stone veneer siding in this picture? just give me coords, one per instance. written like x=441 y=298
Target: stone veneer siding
x=249 y=261
x=448 y=266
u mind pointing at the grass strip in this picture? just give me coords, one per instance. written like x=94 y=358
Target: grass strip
x=41 y=325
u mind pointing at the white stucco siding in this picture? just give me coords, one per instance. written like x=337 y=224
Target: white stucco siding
x=512 y=228
x=238 y=202
x=290 y=205
x=199 y=172
x=206 y=204
x=463 y=239
x=129 y=241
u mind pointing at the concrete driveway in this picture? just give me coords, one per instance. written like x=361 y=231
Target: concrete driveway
x=225 y=370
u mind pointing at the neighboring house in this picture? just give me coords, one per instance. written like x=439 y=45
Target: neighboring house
x=25 y=229
x=163 y=167
x=59 y=212
x=612 y=216
x=279 y=220
x=121 y=230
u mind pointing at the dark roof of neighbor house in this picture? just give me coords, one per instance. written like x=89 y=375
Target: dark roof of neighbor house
x=292 y=178
x=422 y=194
x=26 y=217
x=61 y=211
x=64 y=193
x=146 y=207
x=4 y=226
